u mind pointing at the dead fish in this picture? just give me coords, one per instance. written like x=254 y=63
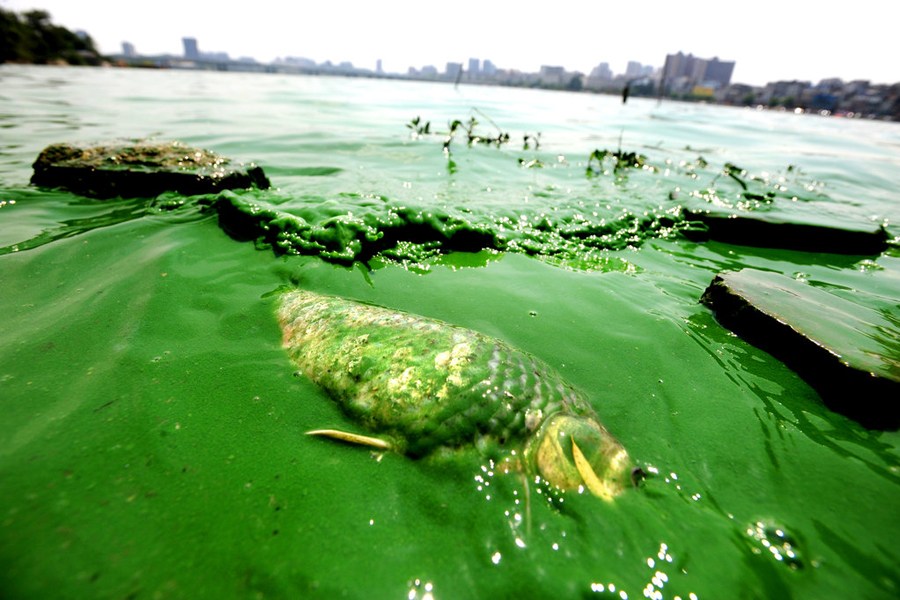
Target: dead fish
x=421 y=385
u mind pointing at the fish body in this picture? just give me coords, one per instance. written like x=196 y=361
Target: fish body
x=427 y=385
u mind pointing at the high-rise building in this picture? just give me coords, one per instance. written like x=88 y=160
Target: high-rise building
x=488 y=68
x=453 y=70
x=682 y=73
x=474 y=67
x=128 y=50
x=552 y=75
x=191 y=51
x=378 y=67
x=677 y=65
x=634 y=70
x=602 y=71
x=717 y=71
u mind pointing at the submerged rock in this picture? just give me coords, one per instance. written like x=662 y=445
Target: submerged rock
x=770 y=231
x=849 y=353
x=141 y=169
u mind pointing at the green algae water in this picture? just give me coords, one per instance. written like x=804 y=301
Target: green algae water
x=152 y=441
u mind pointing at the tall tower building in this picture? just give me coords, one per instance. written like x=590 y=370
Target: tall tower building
x=677 y=65
x=191 y=52
x=453 y=70
x=718 y=71
x=602 y=71
x=634 y=69
x=681 y=73
x=474 y=67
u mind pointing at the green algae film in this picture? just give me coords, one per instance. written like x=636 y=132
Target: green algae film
x=215 y=490
x=187 y=433
x=152 y=441
x=571 y=225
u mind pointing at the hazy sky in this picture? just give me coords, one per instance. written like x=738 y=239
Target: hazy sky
x=767 y=39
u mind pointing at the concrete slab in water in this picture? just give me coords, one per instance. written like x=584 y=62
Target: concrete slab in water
x=772 y=231
x=849 y=353
x=141 y=169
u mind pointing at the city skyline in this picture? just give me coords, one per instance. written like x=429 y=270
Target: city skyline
x=576 y=35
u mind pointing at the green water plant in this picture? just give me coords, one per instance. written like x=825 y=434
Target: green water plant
x=529 y=141
x=457 y=127
x=467 y=129
x=474 y=137
x=621 y=160
x=744 y=180
x=418 y=127
x=533 y=163
x=736 y=173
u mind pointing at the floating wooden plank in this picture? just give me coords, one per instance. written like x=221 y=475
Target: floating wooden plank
x=848 y=352
x=141 y=169
x=773 y=231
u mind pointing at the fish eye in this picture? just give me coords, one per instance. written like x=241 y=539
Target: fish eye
x=638 y=475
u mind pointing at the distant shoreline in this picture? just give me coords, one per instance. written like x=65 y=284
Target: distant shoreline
x=645 y=91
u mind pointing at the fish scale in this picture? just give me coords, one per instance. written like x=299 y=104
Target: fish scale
x=496 y=385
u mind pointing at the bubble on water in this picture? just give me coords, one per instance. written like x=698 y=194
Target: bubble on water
x=774 y=540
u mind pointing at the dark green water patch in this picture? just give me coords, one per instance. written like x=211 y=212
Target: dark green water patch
x=84 y=215
x=316 y=171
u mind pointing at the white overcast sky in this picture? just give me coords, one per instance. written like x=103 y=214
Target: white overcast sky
x=768 y=39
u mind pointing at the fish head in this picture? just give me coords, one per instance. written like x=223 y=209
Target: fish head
x=576 y=452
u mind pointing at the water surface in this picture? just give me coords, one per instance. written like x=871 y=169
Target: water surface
x=152 y=441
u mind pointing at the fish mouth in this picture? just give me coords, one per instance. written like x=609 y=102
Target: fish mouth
x=577 y=453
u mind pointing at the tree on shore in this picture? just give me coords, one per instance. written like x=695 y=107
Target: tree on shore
x=32 y=38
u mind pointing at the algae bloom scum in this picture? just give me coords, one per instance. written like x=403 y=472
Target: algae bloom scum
x=424 y=385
